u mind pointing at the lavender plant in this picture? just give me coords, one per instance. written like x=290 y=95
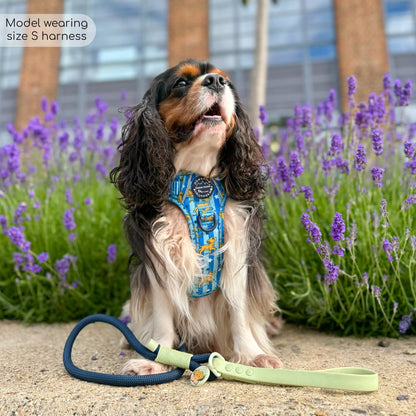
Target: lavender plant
x=341 y=235
x=63 y=253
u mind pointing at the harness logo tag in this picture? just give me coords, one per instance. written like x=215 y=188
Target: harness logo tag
x=202 y=187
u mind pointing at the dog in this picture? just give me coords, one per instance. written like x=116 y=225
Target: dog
x=191 y=174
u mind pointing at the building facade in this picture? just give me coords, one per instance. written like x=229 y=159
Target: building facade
x=313 y=46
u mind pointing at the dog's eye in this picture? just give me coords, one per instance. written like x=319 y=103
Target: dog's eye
x=180 y=83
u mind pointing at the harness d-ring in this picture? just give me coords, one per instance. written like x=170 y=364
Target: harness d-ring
x=207 y=230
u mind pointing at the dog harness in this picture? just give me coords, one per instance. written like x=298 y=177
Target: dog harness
x=202 y=201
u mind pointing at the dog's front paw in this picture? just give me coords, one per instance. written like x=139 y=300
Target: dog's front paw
x=143 y=367
x=266 y=361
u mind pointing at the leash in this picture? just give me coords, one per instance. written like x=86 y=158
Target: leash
x=344 y=378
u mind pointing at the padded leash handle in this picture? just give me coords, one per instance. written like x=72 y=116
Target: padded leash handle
x=344 y=378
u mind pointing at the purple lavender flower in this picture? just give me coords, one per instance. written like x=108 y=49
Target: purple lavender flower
x=283 y=175
x=300 y=143
x=87 y=201
x=54 y=108
x=13 y=162
x=311 y=228
x=387 y=82
x=111 y=253
x=376 y=291
x=352 y=86
x=100 y=167
x=406 y=93
x=383 y=208
x=99 y=134
x=125 y=319
x=397 y=89
x=342 y=165
x=360 y=158
x=68 y=196
x=377 y=140
x=338 y=227
x=42 y=257
x=412 y=241
x=307 y=192
x=411 y=200
x=332 y=274
x=412 y=130
x=44 y=104
x=18 y=259
x=21 y=208
x=17 y=238
x=337 y=145
x=339 y=251
x=405 y=323
x=377 y=175
x=295 y=164
x=69 y=219
x=388 y=248
x=63 y=141
x=263 y=115
x=409 y=149
x=307 y=116
x=62 y=266
x=3 y=223
x=326 y=166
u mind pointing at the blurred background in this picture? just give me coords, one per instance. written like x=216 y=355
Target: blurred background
x=313 y=46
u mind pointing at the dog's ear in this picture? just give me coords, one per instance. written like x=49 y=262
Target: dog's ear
x=242 y=161
x=146 y=167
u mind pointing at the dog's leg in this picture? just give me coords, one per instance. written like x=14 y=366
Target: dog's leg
x=248 y=325
x=246 y=347
x=161 y=330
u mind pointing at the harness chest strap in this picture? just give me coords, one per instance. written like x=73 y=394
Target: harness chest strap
x=202 y=202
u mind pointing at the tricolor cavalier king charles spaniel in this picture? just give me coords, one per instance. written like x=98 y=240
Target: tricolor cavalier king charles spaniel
x=192 y=176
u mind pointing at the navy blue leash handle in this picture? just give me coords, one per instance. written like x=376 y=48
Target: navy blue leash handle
x=123 y=380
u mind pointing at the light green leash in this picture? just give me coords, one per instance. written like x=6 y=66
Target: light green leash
x=344 y=378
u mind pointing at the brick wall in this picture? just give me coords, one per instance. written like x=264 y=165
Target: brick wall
x=39 y=73
x=188 y=30
x=361 y=46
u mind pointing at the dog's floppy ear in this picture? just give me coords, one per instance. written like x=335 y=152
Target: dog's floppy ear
x=146 y=167
x=241 y=160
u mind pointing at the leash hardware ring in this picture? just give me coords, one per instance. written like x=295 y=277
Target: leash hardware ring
x=211 y=365
x=208 y=229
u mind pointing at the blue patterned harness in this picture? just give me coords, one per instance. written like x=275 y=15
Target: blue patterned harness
x=202 y=201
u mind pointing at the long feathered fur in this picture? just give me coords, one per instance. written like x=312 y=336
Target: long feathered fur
x=158 y=234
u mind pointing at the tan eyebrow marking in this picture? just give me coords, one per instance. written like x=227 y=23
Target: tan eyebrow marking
x=188 y=69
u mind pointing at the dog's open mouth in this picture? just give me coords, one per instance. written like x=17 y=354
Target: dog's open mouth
x=213 y=115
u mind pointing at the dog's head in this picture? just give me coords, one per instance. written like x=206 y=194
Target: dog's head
x=190 y=118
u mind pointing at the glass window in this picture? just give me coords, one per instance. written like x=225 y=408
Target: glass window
x=402 y=44
x=131 y=44
x=320 y=26
x=285 y=30
x=400 y=26
x=301 y=35
x=284 y=57
x=318 y=4
x=322 y=52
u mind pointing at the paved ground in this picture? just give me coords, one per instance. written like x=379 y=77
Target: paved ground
x=33 y=380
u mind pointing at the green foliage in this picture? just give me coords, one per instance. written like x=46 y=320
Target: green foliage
x=53 y=270
x=360 y=279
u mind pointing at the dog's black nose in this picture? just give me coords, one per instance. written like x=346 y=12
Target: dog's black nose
x=215 y=82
